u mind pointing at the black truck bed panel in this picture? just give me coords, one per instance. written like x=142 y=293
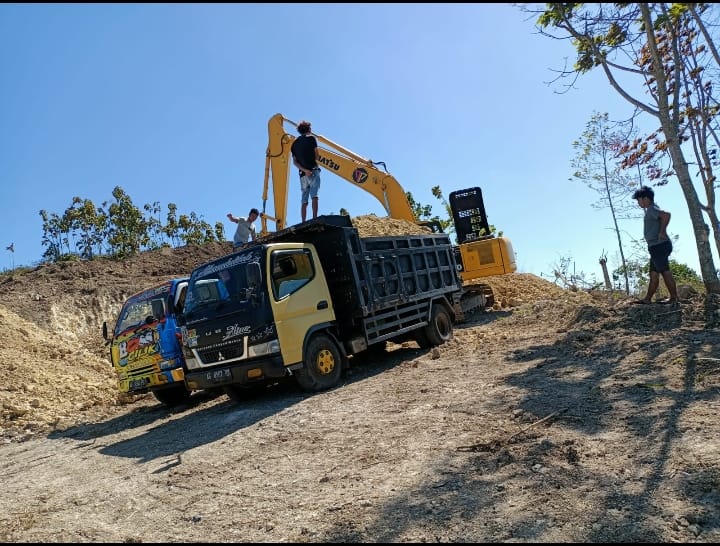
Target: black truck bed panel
x=370 y=274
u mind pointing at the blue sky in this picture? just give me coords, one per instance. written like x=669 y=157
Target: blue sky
x=171 y=102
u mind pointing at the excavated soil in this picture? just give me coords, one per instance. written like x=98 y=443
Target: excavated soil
x=558 y=416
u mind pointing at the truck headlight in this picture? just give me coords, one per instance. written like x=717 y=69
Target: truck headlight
x=191 y=363
x=261 y=349
x=167 y=364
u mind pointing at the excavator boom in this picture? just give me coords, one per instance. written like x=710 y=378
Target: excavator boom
x=334 y=158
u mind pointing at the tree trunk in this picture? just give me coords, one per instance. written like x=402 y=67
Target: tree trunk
x=606 y=275
x=700 y=228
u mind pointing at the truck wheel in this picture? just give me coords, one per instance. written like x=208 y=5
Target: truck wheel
x=440 y=328
x=172 y=396
x=236 y=393
x=323 y=365
x=422 y=339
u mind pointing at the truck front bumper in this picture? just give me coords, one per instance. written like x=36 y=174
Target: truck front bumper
x=247 y=372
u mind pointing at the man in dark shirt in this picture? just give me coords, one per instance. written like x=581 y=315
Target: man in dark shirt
x=305 y=158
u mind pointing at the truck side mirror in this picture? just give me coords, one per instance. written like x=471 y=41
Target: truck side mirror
x=105 y=333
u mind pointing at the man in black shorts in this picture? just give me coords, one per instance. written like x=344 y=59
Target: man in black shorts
x=659 y=245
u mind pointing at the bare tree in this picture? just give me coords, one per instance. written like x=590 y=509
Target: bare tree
x=597 y=166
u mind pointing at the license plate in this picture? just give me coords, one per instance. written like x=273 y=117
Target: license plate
x=219 y=376
x=136 y=384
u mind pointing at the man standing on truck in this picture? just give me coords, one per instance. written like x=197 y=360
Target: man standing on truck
x=245 y=227
x=305 y=157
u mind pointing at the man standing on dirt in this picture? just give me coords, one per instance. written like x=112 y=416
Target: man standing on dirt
x=659 y=246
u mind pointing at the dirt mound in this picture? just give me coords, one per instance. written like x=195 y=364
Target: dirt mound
x=371 y=225
x=51 y=318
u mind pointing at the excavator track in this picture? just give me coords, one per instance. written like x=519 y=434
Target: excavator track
x=473 y=300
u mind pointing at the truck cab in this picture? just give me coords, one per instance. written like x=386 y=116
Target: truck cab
x=145 y=348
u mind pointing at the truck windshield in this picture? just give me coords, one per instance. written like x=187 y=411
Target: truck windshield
x=215 y=286
x=143 y=308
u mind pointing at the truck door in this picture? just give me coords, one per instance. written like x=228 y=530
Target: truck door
x=300 y=298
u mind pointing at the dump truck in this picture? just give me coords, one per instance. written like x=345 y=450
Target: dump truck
x=301 y=301
x=145 y=349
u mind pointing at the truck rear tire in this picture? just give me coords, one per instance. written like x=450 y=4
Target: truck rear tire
x=422 y=339
x=322 y=365
x=173 y=396
x=440 y=328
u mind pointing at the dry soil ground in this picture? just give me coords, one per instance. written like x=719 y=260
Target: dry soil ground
x=557 y=417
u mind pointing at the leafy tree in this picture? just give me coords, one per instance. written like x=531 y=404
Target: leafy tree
x=447 y=221
x=120 y=227
x=653 y=39
x=153 y=224
x=421 y=212
x=52 y=238
x=172 y=227
x=128 y=232
x=194 y=230
x=219 y=231
x=86 y=225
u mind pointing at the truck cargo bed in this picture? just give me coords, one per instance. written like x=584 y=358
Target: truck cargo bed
x=384 y=282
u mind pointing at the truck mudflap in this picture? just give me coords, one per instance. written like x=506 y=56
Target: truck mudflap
x=240 y=374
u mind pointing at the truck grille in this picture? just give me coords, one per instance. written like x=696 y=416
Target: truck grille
x=211 y=356
x=142 y=371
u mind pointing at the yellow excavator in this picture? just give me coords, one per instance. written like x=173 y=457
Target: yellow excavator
x=479 y=253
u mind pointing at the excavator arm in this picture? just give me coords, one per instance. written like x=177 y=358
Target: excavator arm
x=334 y=158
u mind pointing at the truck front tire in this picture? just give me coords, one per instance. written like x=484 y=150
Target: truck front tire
x=440 y=328
x=173 y=396
x=236 y=393
x=322 y=365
